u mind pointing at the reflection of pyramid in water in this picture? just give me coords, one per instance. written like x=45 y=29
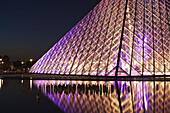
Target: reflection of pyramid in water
x=116 y=38
x=103 y=97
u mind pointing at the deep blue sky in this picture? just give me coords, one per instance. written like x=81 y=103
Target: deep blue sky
x=28 y=28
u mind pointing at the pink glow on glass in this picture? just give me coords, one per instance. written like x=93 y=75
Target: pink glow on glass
x=95 y=40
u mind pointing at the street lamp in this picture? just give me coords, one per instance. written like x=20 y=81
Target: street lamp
x=22 y=66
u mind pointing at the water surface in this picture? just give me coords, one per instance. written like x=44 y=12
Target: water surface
x=19 y=96
x=70 y=96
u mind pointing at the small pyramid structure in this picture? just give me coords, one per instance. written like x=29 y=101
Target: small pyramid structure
x=116 y=38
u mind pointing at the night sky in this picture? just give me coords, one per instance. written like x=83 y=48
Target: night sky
x=28 y=28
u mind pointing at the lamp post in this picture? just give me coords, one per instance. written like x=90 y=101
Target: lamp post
x=22 y=63
x=31 y=60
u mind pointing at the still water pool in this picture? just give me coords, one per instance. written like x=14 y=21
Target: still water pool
x=57 y=96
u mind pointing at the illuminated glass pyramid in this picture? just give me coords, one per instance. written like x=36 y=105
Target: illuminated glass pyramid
x=116 y=38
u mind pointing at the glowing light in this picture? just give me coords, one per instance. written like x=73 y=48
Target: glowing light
x=30 y=84
x=2 y=81
x=22 y=81
x=31 y=60
x=0 y=84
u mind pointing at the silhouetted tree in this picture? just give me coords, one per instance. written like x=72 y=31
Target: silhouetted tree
x=6 y=61
x=30 y=64
x=17 y=64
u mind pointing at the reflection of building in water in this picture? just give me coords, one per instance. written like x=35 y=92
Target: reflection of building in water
x=1 y=83
x=27 y=86
x=98 y=96
x=73 y=96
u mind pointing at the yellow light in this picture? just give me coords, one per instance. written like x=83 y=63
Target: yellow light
x=2 y=62
x=0 y=59
x=30 y=84
x=22 y=81
x=22 y=62
x=0 y=84
x=31 y=60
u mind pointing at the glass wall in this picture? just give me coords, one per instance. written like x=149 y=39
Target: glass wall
x=116 y=38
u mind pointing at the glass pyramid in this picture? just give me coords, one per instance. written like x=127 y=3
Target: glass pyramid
x=116 y=38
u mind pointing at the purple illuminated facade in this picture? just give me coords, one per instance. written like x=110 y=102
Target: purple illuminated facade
x=116 y=38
